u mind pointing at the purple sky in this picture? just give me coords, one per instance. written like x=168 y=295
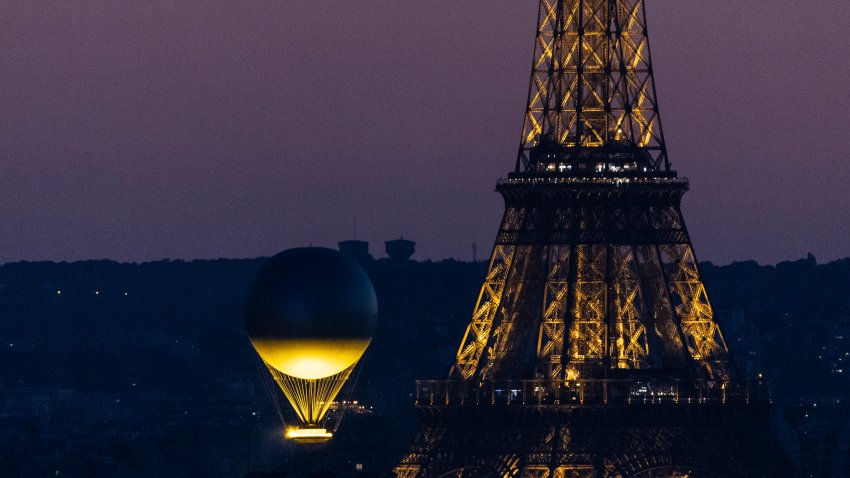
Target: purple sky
x=137 y=130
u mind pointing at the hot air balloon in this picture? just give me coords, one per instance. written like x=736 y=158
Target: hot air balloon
x=310 y=315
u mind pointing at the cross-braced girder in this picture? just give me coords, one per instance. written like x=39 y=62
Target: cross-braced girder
x=592 y=86
x=561 y=287
x=639 y=442
x=593 y=350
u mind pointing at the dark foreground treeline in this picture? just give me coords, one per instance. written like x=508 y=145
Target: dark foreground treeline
x=111 y=369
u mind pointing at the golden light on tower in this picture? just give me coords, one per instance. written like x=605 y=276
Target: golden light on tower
x=310 y=316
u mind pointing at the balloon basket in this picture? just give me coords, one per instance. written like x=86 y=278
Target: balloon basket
x=308 y=435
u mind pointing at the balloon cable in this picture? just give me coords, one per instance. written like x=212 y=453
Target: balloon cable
x=348 y=395
x=270 y=389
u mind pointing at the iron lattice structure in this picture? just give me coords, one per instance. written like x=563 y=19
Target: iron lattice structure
x=592 y=85
x=593 y=350
x=589 y=279
x=658 y=442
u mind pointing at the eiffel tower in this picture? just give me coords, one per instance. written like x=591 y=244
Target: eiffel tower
x=593 y=350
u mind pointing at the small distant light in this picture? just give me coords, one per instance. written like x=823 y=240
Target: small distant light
x=97 y=292
x=58 y=292
x=11 y=345
x=358 y=467
x=134 y=384
x=125 y=294
x=253 y=414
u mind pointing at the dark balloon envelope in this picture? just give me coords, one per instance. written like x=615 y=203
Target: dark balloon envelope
x=310 y=315
x=311 y=293
x=311 y=312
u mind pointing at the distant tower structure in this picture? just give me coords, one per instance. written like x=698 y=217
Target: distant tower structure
x=357 y=250
x=593 y=350
x=400 y=249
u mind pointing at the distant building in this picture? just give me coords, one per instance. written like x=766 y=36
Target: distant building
x=357 y=250
x=400 y=249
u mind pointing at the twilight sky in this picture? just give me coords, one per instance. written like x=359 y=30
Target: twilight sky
x=138 y=130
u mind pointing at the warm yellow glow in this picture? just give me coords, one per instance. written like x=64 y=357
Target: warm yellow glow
x=311 y=359
x=310 y=399
x=308 y=434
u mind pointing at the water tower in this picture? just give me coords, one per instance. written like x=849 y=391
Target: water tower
x=400 y=249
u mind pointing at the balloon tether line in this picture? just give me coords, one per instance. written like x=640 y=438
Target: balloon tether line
x=359 y=366
x=270 y=390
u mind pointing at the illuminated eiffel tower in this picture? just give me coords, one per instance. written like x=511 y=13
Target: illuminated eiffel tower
x=593 y=350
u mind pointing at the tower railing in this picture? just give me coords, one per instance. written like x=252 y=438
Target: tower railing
x=598 y=180
x=449 y=393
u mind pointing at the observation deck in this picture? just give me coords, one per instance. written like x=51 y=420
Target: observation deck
x=536 y=188
x=586 y=393
x=591 y=181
